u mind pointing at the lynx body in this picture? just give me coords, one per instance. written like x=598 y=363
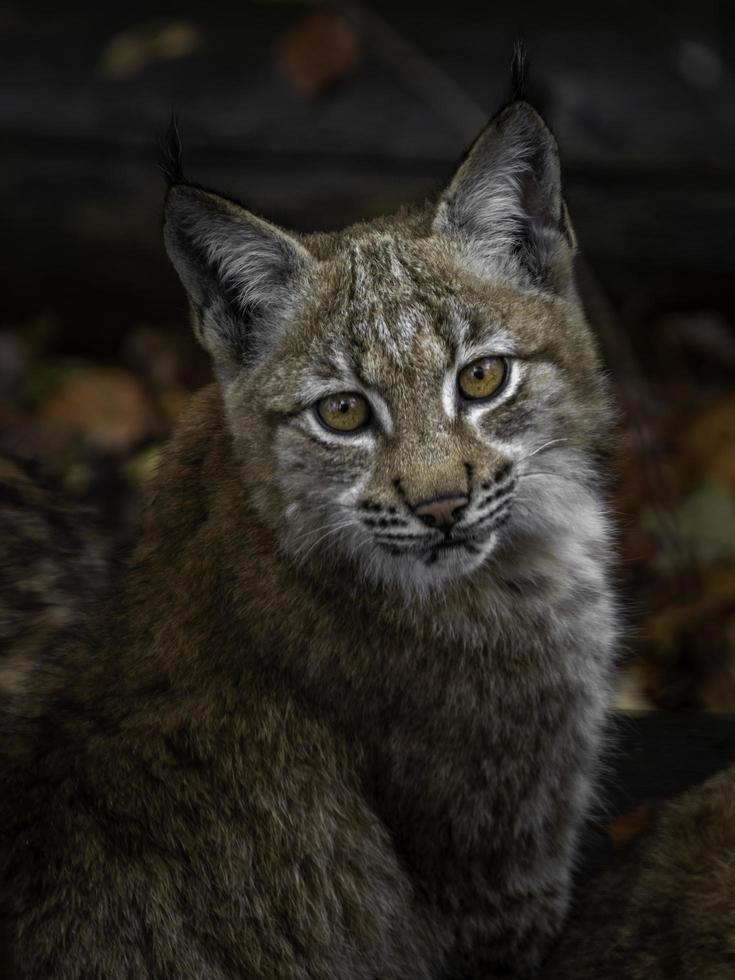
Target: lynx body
x=343 y=721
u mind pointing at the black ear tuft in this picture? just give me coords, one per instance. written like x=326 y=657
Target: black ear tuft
x=244 y=277
x=519 y=73
x=170 y=154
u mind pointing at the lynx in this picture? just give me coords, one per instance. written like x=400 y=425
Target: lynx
x=343 y=719
x=667 y=909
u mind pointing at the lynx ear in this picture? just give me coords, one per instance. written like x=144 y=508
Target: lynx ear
x=505 y=207
x=243 y=275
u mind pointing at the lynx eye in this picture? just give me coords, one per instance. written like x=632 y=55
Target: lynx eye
x=344 y=412
x=483 y=377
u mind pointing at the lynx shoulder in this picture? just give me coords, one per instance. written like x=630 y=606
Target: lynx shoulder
x=343 y=719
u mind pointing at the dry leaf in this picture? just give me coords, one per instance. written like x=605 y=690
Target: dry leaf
x=630 y=824
x=317 y=52
x=107 y=408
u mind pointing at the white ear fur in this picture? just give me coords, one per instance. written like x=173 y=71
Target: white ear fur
x=504 y=206
x=242 y=274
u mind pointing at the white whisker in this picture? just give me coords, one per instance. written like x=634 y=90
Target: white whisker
x=310 y=532
x=546 y=445
x=333 y=530
x=554 y=476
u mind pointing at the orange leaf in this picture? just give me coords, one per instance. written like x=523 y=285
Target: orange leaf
x=628 y=825
x=317 y=52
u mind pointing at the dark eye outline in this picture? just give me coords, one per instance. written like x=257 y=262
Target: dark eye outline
x=506 y=362
x=344 y=432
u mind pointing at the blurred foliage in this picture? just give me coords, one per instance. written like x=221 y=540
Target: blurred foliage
x=131 y=51
x=675 y=493
x=701 y=529
x=97 y=426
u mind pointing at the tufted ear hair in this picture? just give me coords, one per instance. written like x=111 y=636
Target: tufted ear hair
x=504 y=207
x=244 y=277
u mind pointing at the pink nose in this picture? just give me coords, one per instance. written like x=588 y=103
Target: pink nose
x=441 y=511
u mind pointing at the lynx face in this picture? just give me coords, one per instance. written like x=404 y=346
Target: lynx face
x=411 y=395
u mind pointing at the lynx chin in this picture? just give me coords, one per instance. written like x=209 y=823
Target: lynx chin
x=343 y=721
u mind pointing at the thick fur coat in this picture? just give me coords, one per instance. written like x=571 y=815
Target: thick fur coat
x=322 y=733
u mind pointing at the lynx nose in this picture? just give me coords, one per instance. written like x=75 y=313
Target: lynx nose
x=441 y=511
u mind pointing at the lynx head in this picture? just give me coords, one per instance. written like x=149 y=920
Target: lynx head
x=393 y=388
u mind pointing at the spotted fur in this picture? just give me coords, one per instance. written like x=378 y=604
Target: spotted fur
x=319 y=736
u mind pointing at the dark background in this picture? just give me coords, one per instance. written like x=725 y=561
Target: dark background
x=318 y=115
x=641 y=96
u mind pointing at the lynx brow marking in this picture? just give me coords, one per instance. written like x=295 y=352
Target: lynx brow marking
x=449 y=394
x=487 y=342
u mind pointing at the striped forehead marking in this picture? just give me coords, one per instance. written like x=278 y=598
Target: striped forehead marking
x=387 y=307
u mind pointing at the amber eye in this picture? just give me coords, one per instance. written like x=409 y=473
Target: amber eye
x=344 y=412
x=483 y=377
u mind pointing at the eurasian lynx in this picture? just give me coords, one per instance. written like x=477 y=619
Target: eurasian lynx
x=343 y=720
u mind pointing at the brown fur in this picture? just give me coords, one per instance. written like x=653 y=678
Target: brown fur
x=667 y=910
